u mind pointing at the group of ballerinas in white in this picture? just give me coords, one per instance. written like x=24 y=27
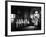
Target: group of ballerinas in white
x=34 y=18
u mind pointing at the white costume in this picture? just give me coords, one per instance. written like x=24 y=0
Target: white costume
x=35 y=18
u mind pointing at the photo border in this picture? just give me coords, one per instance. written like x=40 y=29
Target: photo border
x=6 y=31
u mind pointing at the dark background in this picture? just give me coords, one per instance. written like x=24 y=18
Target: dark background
x=20 y=11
